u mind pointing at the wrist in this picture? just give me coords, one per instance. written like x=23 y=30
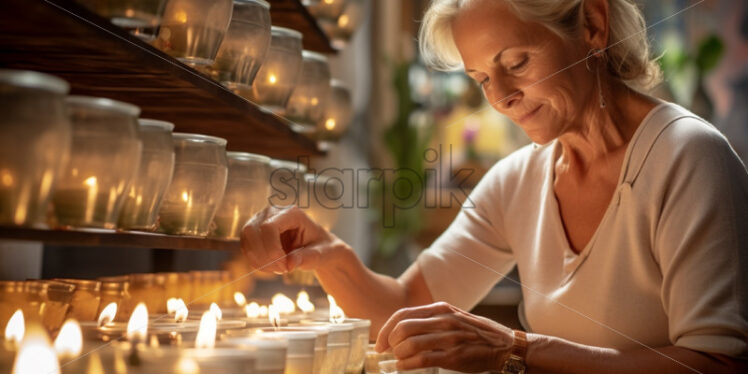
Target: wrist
x=514 y=360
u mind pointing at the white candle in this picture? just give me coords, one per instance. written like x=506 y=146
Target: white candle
x=93 y=190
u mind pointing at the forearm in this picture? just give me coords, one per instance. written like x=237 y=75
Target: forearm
x=553 y=355
x=360 y=291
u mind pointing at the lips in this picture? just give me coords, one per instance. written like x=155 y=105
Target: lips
x=532 y=113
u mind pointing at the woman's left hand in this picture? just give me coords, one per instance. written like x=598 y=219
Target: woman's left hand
x=441 y=335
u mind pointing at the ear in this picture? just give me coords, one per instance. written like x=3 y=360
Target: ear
x=595 y=14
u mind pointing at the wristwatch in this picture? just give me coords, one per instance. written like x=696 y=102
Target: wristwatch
x=515 y=361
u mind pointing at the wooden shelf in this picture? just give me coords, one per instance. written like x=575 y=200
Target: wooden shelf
x=291 y=14
x=62 y=38
x=112 y=238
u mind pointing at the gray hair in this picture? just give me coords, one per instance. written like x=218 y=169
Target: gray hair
x=628 y=48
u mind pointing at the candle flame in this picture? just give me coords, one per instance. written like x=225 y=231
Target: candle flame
x=16 y=328
x=153 y=343
x=343 y=20
x=330 y=124
x=69 y=342
x=107 y=314
x=206 y=334
x=36 y=354
x=274 y=316
x=337 y=315
x=90 y=181
x=216 y=311
x=182 y=312
x=137 y=327
x=283 y=304
x=186 y=365
x=272 y=79
x=185 y=196
x=171 y=305
x=263 y=310
x=240 y=299
x=302 y=300
x=252 y=310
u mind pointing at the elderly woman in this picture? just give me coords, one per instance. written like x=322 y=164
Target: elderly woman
x=627 y=219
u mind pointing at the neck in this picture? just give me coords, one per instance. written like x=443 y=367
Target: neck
x=600 y=132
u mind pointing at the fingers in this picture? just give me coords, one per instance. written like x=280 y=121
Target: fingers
x=437 y=341
x=409 y=313
x=305 y=258
x=260 y=242
x=413 y=327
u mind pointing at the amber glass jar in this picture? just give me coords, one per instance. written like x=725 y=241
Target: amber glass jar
x=51 y=301
x=85 y=303
x=116 y=290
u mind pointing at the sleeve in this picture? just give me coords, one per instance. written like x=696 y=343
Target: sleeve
x=472 y=255
x=701 y=242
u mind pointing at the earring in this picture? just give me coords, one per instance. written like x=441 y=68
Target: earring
x=597 y=53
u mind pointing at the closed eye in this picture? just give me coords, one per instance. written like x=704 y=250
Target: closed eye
x=519 y=65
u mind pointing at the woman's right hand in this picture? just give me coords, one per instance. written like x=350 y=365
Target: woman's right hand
x=281 y=239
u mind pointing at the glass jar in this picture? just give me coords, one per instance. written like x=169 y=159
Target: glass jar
x=287 y=185
x=373 y=358
x=338 y=113
x=244 y=47
x=12 y=298
x=338 y=345
x=185 y=287
x=390 y=367
x=171 y=285
x=143 y=197
x=279 y=72
x=51 y=301
x=325 y=9
x=116 y=290
x=104 y=160
x=325 y=199
x=35 y=135
x=359 y=343
x=307 y=103
x=149 y=289
x=140 y=17
x=86 y=297
x=198 y=185
x=192 y=30
x=341 y=30
x=247 y=193
x=199 y=289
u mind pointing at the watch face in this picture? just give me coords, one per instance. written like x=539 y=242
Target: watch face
x=513 y=366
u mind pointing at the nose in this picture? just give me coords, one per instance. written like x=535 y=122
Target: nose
x=502 y=95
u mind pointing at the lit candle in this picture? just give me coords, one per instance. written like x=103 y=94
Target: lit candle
x=15 y=330
x=35 y=354
x=302 y=300
x=206 y=335
x=93 y=190
x=240 y=299
x=69 y=342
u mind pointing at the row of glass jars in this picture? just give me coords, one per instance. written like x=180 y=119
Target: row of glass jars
x=235 y=44
x=53 y=301
x=101 y=166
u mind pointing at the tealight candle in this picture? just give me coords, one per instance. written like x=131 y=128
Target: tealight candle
x=338 y=345
x=271 y=351
x=320 y=343
x=390 y=367
x=279 y=71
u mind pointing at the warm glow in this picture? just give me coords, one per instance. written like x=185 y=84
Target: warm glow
x=252 y=310
x=69 y=342
x=153 y=343
x=343 y=20
x=7 y=178
x=240 y=299
x=181 y=313
x=283 y=304
x=185 y=196
x=330 y=124
x=181 y=16
x=216 y=311
x=129 y=13
x=272 y=79
x=36 y=354
x=94 y=364
x=107 y=315
x=336 y=313
x=171 y=305
x=186 y=365
x=263 y=310
x=206 y=335
x=15 y=328
x=90 y=181
x=137 y=327
x=302 y=300
x=314 y=101
x=274 y=316
x=329 y=1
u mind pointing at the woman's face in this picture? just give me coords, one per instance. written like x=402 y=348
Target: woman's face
x=523 y=69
